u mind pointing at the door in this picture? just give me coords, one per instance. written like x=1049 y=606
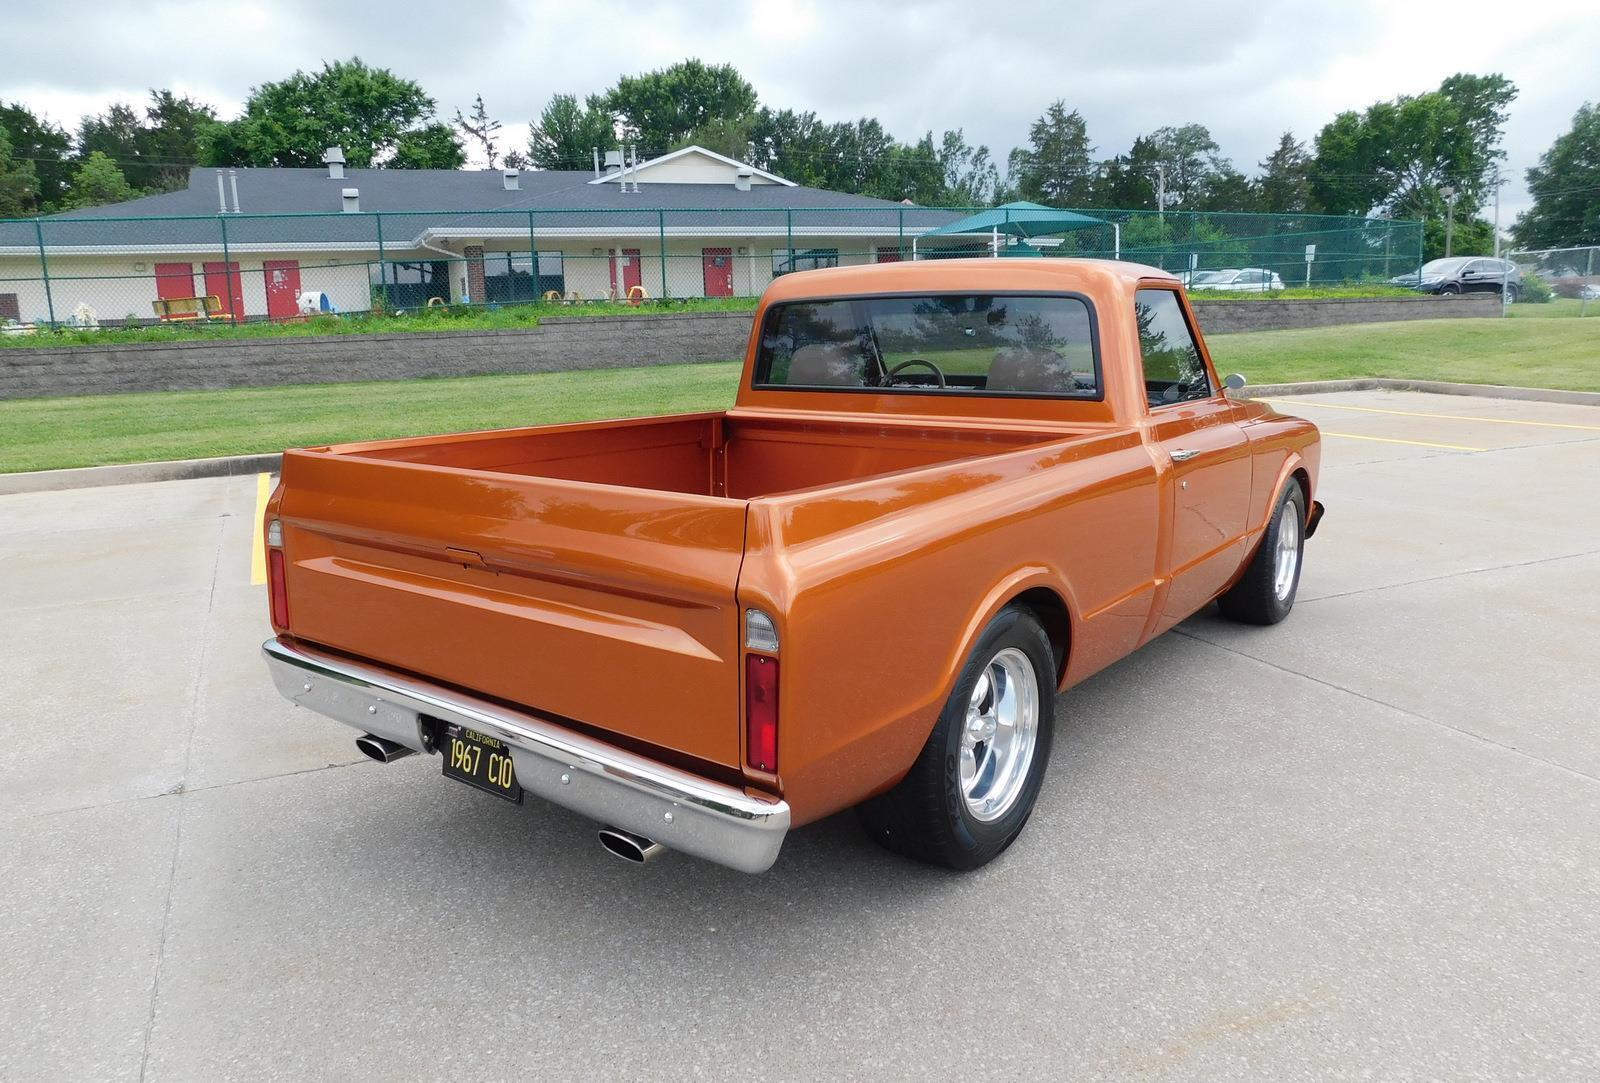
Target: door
x=888 y=254
x=174 y=280
x=631 y=273
x=1208 y=485
x=223 y=283
x=282 y=277
x=717 y=269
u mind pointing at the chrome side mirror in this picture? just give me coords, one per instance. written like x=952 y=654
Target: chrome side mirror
x=1234 y=382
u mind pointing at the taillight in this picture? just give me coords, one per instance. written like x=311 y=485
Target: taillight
x=761 y=711
x=277 y=587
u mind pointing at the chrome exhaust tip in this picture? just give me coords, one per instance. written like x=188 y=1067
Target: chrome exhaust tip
x=628 y=846
x=381 y=748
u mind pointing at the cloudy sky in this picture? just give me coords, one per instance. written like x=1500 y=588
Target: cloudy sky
x=1247 y=70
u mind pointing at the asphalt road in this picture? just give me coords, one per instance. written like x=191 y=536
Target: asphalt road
x=1362 y=844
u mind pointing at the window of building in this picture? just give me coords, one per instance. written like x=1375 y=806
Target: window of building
x=785 y=260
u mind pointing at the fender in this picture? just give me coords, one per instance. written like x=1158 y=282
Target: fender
x=1000 y=595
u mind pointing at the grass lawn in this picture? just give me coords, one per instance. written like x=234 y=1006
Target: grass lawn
x=39 y=434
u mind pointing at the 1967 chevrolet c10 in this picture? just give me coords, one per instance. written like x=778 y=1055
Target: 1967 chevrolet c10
x=947 y=489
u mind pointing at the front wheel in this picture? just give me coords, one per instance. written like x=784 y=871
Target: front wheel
x=1265 y=592
x=976 y=780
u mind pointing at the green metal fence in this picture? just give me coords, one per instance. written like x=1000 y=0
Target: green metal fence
x=95 y=269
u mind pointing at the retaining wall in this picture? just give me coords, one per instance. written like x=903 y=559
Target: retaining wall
x=556 y=344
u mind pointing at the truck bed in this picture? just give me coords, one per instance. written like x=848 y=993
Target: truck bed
x=706 y=454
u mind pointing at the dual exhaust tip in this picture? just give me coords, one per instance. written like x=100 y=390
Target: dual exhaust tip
x=614 y=840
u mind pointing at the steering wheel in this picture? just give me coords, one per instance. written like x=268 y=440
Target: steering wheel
x=938 y=373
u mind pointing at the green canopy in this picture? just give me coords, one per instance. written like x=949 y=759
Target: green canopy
x=1019 y=219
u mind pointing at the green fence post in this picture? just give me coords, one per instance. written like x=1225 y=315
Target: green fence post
x=661 y=231
x=227 y=268
x=533 y=258
x=900 y=235
x=44 y=270
x=383 y=268
x=789 y=233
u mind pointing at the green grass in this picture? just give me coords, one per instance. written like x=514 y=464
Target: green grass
x=1304 y=293
x=1525 y=353
x=38 y=434
x=43 y=434
x=502 y=317
x=1559 y=309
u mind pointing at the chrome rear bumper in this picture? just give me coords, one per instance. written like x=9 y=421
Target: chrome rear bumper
x=680 y=810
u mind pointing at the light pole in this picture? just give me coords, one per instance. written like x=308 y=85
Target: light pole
x=1449 y=194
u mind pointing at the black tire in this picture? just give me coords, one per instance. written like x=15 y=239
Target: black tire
x=1256 y=597
x=1449 y=289
x=925 y=816
x=1513 y=294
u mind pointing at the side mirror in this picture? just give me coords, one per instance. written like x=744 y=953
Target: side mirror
x=1234 y=382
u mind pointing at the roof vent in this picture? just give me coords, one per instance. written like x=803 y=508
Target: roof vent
x=334 y=157
x=613 y=162
x=512 y=180
x=352 y=200
x=741 y=179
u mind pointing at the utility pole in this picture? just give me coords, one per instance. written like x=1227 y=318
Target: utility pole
x=1449 y=194
x=1497 y=216
x=1161 y=191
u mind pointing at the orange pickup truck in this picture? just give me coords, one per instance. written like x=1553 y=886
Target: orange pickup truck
x=947 y=490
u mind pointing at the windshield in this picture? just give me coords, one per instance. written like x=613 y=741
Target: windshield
x=935 y=343
x=1216 y=278
x=1443 y=266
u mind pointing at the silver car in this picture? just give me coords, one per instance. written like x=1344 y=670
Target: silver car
x=1235 y=280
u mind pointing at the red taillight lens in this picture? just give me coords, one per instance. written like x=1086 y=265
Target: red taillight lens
x=277 y=589
x=761 y=711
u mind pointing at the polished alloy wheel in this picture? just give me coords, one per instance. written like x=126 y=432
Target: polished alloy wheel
x=999 y=735
x=1287 y=559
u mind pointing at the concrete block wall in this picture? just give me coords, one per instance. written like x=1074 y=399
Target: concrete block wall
x=557 y=344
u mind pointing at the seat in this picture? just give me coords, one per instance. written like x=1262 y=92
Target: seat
x=1030 y=368
x=825 y=365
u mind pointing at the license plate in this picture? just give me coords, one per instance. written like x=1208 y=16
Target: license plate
x=480 y=760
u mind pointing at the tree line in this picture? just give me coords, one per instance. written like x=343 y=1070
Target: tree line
x=1426 y=155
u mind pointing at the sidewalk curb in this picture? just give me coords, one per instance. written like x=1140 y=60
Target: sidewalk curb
x=88 y=477
x=1432 y=387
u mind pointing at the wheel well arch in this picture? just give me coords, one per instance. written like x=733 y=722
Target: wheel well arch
x=1051 y=611
x=1300 y=477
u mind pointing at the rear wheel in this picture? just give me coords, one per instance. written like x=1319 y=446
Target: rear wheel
x=1450 y=289
x=1266 y=591
x=1513 y=294
x=976 y=780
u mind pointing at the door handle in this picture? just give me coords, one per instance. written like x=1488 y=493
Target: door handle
x=1183 y=455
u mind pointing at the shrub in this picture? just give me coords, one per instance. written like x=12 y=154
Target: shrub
x=1535 y=291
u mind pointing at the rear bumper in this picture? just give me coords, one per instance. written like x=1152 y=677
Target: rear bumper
x=680 y=810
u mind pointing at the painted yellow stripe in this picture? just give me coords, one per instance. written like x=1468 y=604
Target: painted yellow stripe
x=1441 y=417
x=1392 y=440
x=258 y=548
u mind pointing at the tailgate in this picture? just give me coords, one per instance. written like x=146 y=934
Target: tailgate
x=610 y=606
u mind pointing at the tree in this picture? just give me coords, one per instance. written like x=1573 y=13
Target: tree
x=568 y=133
x=1284 y=186
x=1191 y=160
x=370 y=112
x=154 y=151
x=971 y=178
x=19 y=183
x=1565 y=185
x=797 y=146
x=1226 y=189
x=1128 y=181
x=44 y=148
x=725 y=135
x=97 y=182
x=1056 y=167
x=481 y=129
x=660 y=109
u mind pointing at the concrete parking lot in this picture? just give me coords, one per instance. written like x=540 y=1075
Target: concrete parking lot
x=1362 y=844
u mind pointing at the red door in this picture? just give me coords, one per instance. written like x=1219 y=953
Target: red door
x=282 y=278
x=888 y=254
x=631 y=273
x=717 y=268
x=223 y=283
x=174 y=280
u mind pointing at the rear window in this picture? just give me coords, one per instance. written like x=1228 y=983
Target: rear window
x=974 y=344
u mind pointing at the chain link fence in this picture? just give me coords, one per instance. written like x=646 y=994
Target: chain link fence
x=98 y=270
x=1569 y=277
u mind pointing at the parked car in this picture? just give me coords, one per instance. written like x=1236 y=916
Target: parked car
x=947 y=490
x=1464 y=274
x=1589 y=292
x=1235 y=280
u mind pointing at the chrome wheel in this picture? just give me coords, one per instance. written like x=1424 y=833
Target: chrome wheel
x=1286 y=562
x=999 y=734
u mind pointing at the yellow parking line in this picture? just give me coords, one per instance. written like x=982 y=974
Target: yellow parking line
x=1392 y=440
x=258 y=549
x=1441 y=417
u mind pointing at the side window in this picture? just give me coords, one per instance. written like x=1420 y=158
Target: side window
x=1173 y=370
